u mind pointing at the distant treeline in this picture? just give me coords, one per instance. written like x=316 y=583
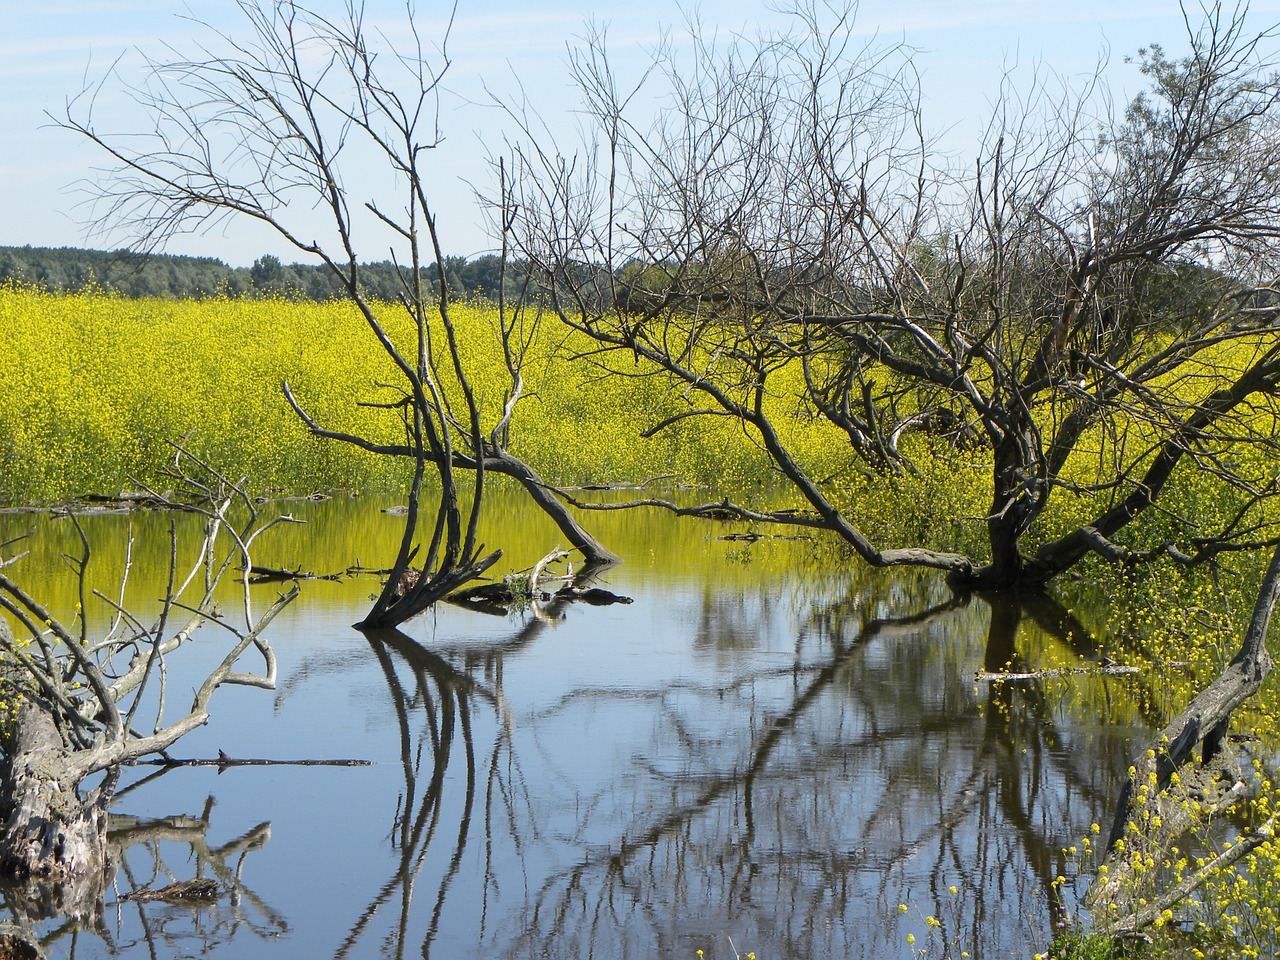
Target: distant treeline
x=71 y=270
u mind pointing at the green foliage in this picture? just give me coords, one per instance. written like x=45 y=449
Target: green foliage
x=1074 y=946
x=71 y=270
x=1200 y=943
x=74 y=270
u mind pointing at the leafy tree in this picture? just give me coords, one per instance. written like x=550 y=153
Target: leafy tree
x=266 y=272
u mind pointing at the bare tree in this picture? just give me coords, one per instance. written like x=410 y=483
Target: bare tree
x=1087 y=301
x=86 y=705
x=264 y=127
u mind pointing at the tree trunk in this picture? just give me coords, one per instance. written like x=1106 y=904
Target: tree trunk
x=17 y=943
x=1201 y=725
x=594 y=552
x=1016 y=501
x=53 y=841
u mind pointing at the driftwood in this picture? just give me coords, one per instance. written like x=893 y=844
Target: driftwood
x=498 y=598
x=622 y=485
x=1149 y=912
x=521 y=589
x=1110 y=670
x=98 y=504
x=1217 y=782
x=144 y=498
x=751 y=536
x=200 y=890
x=594 y=596
x=225 y=761
x=260 y=574
x=89 y=705
x=314 y=497
x=495 y=599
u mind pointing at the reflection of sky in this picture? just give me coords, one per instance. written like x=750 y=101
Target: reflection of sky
x=776 y=758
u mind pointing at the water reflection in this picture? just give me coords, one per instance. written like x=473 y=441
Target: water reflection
x=795 y=806
x=746 y=751
x=150 y=854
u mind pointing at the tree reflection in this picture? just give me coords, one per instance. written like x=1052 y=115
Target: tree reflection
x=152 y=853
x=798 y=807
x=790 y=792
x=432 y=702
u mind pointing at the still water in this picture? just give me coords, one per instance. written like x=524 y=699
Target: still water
x=770 y=750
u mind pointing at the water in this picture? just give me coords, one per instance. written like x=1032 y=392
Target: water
x=768 y=751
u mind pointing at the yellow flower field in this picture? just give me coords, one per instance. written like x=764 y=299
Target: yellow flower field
x=93 y=386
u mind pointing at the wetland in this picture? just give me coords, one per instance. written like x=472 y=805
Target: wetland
x=767 y=751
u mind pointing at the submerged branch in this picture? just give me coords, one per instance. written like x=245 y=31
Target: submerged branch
x=223 y=760
x=727 y=510
x=723 y=510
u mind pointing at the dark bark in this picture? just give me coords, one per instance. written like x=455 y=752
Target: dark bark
x=591 y=549
x=1063 y=553
x=1015 y=503
x=395 y=607
x=17 y=943
x=1059 y=304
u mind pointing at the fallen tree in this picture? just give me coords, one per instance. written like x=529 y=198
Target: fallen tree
x=1192 y=751
x=85 y=705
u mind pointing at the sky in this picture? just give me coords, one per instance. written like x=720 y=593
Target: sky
x=51 y=51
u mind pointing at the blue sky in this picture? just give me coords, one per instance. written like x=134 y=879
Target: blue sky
x=47 y=51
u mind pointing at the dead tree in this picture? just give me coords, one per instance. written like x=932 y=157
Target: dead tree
x=86 y=705
x=263 y=127
x=1088 y=299
x=1191 y=749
